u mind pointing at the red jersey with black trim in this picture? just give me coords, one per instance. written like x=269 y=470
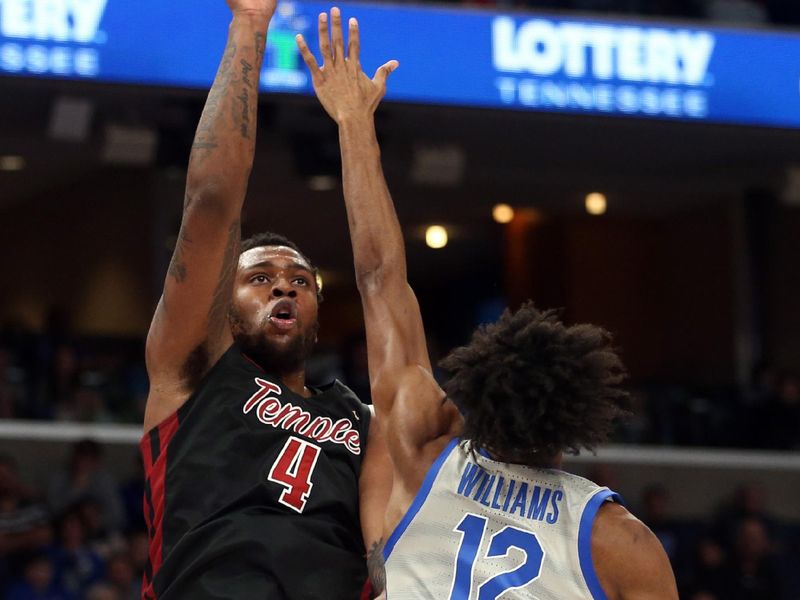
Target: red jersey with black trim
x=251 y=491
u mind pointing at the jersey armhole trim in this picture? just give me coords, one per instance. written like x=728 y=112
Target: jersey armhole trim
x=585 y=541
x=419 y=499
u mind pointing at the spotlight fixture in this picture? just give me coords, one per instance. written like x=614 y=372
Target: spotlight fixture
x=436 y=237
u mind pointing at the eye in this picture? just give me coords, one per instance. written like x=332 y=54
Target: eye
x=260 y=278
x=301 y=281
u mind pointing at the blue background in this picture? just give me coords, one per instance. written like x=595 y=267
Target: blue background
x=445 y=55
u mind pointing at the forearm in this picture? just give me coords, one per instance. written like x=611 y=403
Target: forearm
x=374 y=229
x=224 y=145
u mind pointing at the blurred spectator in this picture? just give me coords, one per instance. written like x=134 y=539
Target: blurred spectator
x=752 y=573
x=62 y=382
x=24 y=522
x=12 y=384
x=86 y=479
x=38 y=582
x=102 y=591
x=707 y=581
x=77 y=566
x=656 y=515
x=132 y=493
x=634 y=430
x=139 y=550
x=604 y=475
x=748 y=502
x=122 y=577
x=88 y=406
x=104 y=541
x=753 y=426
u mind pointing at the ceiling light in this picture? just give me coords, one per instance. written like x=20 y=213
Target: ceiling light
x=596 y=204
x=503 y=213
x=12 y=163
x=436 y=237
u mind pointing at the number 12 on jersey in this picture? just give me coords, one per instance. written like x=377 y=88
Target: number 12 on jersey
x=472 y=529
x=293 y=469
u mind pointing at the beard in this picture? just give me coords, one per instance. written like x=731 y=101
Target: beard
x=274 y=357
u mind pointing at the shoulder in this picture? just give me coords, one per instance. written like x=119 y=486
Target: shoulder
x=629 y=560
x=345 y=400
x=342 y=391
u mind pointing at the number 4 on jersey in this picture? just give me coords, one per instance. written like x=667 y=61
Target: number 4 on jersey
x=293 y=469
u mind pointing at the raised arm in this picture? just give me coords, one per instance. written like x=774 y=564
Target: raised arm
x=404 y=391
x=190 y=328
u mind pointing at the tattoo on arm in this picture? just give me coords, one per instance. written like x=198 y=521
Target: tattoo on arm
x=177 y=266
x=261 y=42
x=376 y=567
x=205 y=139
x=218 y=314
x=244 y=119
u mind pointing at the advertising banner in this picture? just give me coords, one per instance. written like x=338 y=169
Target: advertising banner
x=447 y=56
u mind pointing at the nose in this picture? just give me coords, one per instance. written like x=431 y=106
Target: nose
x=282 y=288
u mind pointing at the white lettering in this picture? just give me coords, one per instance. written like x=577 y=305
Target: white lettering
x=695 y=51
x=635 y=54
x=630 y=55
x=504 y=53
x=663 y=54
x=630 y=98
x=57 y=20
x=271 y=411
x=87 y=62
x=507 y=87
x=12 y=58
x=539 y=47
x=601 y=39
x=59 y=60
x=87 y=15
x=51 y=20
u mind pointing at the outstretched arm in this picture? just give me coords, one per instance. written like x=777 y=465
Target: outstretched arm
x=404 y=391
x=190 y=328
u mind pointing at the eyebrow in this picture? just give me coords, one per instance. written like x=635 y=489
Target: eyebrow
x=268 y=264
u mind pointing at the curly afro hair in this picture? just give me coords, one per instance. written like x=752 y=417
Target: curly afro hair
x=269 y=238
x=530 y=387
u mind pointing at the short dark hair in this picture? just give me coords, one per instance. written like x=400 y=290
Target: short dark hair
x=269 y=238
x=530 y=387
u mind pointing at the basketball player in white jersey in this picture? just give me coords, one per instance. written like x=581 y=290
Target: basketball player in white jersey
x=479 y=508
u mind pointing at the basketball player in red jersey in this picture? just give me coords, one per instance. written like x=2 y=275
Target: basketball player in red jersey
x=530 y=389
x=253 y=478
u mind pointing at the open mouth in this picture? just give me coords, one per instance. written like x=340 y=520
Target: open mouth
x=284 y=315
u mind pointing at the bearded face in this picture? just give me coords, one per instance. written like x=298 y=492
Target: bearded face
x=274 y=312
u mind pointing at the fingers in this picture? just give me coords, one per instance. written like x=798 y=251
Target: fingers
x=354 y=42
x=383 y=72
x=307 y=55
x=325 y=39
x=337 y=35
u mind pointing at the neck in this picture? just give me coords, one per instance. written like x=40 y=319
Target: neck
x=296 y=381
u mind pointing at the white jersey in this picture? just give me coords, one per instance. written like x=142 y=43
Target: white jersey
x=481 y=529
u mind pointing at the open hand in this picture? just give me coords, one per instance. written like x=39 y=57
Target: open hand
x=342 y=87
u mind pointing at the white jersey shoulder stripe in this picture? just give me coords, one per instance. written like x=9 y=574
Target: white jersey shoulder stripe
x=419 y=499
x=585 y=541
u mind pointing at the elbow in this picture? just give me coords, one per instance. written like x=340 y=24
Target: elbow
x=212 y=197
x=376 y=277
